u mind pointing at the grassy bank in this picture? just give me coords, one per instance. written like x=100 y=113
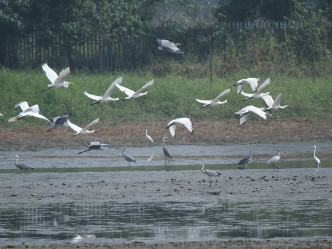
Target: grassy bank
x=171 y=96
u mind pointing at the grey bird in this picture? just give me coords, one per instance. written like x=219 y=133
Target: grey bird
x=21 y=166
x=128 y=158
x=243 y=164
x=209 y=173
x=169 y=46
x=166 y=151
x=95 y=146
x=59 y=121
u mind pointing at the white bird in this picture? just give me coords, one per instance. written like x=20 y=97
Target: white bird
x=169 y=46
x=107 y=94
x=55 y=79
x=1 y=114
x=27 y=111
x=166 y=151
x=95 y=146
x=253 y=82
x=259 y=92
x=273 y=104
x=209 y=173
x=316 y=159
x=172 y=125
x=243 y=113
x=148 y=137
x=59 y=121
x=79 y=130
x=21 y=166
x=274 y=160
x=133 y=95
x=215 y=101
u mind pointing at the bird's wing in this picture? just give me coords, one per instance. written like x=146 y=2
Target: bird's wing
x=37 y=115
x=185 y=121
x=203 y=101
x=257 y=111
x=125 y=90
x=253 y=82
x=92 y=123
x=63 y=74
x=91 y=96
x=170 y=46
x=277 y=100
x=222 y=94
x=111 y=88
x=14 y=118
x=243 y=119
x=172 y=129
x=94 y=143
x=73 y=126
x=263 y=85
x=146 y=86
x=24 y=105
x=239 y=88
x=268 y=100
x=246 y=94
x=34 y=108
x=50 y=74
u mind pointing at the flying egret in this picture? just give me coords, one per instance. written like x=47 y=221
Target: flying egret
x=166 y=151
x=316 y=159
x=79 y=130
x=128 y=158
x=209 y=173
x=1 y=115
x=169 y=46
x=273 y=104
x=253 y=82
x=56 y=81
x=242 y=114
x=95 y=146
x=245 y=161
x=107 y=95
x=215 y=101
x=274 y=160
x=133 y=95
x=27 y=111
x=21 y=166
x=172 y=125
x=259 y=92
x=59 y=121
x=148 y=137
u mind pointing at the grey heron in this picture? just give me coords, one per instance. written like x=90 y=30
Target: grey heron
x=253 y=82
x=21 y=166
x=148 y=137
x=274 y=104
x=27 y=111
x=259 y=92
x=107 y=95
x=169 y=46
x=59 y=121
x=133 y=95
x=95 y=146
x=242 y=115
x=55 y=79
x=166 y=151
x=216 y=100
x=316 y=159
x=210 y=173
x=79 y=130
x=243 y=164
x=184 y=121
x=128 y=158
x=274 y=160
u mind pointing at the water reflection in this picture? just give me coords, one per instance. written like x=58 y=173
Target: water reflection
x=115 y=223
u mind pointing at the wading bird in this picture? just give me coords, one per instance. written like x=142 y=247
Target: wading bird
x=133 y=95
x=215 y=101
x=253 y=82
x=21 y=166
x=274 y=160
x=128 y=158
x=243 y=113
x=79 y=130
x=259 y=92
x=209 y=173
x=243 y=164
x=169 y=46
x=316 y=159
x=184 y=121
x=166 y=151
x=95 y=146
x=56 y=81
x=107 y=95
x=273 y=104
x=148 y=137
x=59 y=121
x=27 y=111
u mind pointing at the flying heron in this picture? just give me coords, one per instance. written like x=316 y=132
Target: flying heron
x=216 y=100
x=210 y=173
x=184 y=121
x=253 y=82
x=132 y=94
x=79 y=130
x=243 y=164
x=128 y=158
x=28 y=111
x=56 y=81
x=95 y=146
x=169 y=46
x=21 y=166
x=59 y=121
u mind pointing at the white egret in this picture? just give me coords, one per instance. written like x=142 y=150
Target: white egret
x=79 y=130
x=148 y=137
x=27 y=111
x=316 y=159
x=107 y=95
x=59 y=121
x=253 y=82
x=95 y=146
x=259 y=92
x=166 y=151
x=243 y=164
x=133 y=95
x=55 y=79
x=128 y=158
x=169 y=46
x=215 y=101
x=274 y=160
x=21 y=166
x=273 y=104
x=172 y=125
x=242 y=114
x=210 y=173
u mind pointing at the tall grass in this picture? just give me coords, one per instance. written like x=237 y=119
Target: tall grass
x=171 y=96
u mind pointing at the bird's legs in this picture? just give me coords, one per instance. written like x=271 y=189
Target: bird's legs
x=210 y=181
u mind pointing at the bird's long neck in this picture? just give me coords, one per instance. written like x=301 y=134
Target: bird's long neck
x=250 y=154
x=315 y=151
x=202 y=167
x=16 y=161
x=124 y=149
x=146 y=132
x=279 y=153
